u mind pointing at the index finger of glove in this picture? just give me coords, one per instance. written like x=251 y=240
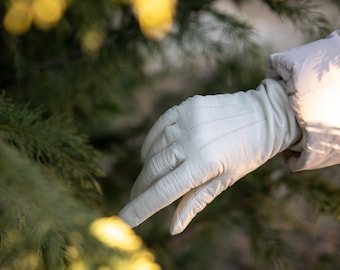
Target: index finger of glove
x=167 y=119
x=161 y=194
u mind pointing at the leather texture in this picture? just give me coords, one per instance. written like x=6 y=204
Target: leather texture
x=199 y=148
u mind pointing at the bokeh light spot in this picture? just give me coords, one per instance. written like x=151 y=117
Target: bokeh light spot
x=92 y=40
x=155 y=17
x=78 y=265
x=46 y=13
x=18 y=18
x=115 y=233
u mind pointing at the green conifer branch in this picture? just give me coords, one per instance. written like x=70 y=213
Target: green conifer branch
x=303 y=14
x=41 y=218
x=50 y=143
x=320 y=193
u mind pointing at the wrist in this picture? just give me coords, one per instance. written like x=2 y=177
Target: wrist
x=282 y=126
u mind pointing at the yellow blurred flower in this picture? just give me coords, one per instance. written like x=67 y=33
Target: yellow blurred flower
x=92 y=40
x=31 y=261
x=46 y=13
x=78 y=265
x=18 y=18
x=144 y=260
x=72 y=253
x=115 y=233
x=155 y=17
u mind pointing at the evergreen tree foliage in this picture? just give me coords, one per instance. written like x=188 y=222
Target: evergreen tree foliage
x=71 y=127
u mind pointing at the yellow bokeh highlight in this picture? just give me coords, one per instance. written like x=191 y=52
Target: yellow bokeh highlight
x=144 y=260
x=72 y=253
x=18 y=18
x=140 y=263
x=92 y=40
x=31 y=261
x=78 y=265
x=104 y=268
x=115 y=233
x=46 y=13
x=155 y=17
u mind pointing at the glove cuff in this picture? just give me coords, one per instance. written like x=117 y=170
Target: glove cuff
x=283 y=130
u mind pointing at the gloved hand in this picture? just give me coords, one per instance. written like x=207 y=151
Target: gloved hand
x=199 y=148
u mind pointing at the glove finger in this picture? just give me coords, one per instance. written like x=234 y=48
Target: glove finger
x=156 y=167
x=195 y=201
x=166 y=138
x=161 y=194
x=167 y=119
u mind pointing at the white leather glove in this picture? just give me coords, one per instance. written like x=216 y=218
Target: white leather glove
x=199 y=148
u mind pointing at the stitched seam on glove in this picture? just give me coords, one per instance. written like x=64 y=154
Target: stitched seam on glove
x=216 y=107
x=217 y=120
x=202 y=147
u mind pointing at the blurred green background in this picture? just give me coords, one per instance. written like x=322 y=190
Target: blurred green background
x=81 y=88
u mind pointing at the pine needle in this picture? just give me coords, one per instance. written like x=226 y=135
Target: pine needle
x=51 y=143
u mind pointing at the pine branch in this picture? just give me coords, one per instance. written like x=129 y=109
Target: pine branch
x=303 y=14
x=41 y=221
x=323 y=196
x=335 y=3
x=50 y=143
x=212 y=34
